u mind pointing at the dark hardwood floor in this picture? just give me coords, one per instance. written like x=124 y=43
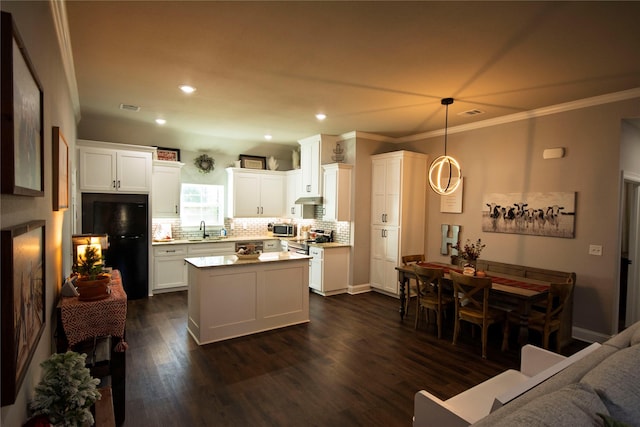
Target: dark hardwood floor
x=354 y=364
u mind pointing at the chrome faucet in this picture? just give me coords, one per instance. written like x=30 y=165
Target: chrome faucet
x=203 y=227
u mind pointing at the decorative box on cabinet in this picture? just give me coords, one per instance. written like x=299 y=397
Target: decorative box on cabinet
x=108 y=168
x=398 y=205
x=255 y=193
x=337 y=192
x=165 y=189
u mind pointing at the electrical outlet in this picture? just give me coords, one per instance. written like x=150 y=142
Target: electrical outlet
x=595 y=250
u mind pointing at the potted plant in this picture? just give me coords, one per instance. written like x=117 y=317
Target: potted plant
x=92 y=283
x=67 y=391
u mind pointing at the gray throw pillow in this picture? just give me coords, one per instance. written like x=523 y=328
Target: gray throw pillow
x=617 y=382
x=573 y=405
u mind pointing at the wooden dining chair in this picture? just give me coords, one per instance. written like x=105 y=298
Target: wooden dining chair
x=430 y=295
x=550 y=320
x=471 y=296
x=412 y=287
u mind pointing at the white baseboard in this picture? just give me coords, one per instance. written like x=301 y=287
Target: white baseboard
x=358 y=289
x=588 y=335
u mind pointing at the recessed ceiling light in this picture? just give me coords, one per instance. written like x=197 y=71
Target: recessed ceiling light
x=187 y=88
x=268 y=137
x=161 y=121
x=321 y=116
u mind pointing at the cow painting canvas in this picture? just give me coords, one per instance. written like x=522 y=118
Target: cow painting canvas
x=540 y=214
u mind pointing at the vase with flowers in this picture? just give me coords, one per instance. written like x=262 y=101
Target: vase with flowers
x=469 y=254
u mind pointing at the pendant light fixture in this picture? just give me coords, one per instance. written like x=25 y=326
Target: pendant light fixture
x=444 y=173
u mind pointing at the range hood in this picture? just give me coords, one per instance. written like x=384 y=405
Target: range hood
x=317 y=200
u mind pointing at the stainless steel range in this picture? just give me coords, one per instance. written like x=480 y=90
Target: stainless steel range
x=301 y=246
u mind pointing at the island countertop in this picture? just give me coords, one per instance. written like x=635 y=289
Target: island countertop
x=230 y=260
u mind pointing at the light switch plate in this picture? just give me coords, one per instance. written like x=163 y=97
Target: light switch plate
x=595 y=250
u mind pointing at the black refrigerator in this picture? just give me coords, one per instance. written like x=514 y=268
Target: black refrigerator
x=125 y=218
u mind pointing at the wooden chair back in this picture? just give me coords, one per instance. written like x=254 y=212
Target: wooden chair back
x=559 y=295
x=427 y=278
x=412 y=259
x=472 y=291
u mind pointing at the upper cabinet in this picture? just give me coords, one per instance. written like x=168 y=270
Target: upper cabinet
x=311 y=150
x=293 y=192
x=255 y=193
x=114 y=168
x=337 y=192
x=165 y=190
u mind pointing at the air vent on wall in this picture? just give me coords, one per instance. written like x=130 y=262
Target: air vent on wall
x=129 y=107
x=473 y=112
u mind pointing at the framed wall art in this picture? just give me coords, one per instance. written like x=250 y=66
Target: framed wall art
x=253 y=162
x=60 y=170
x=23 y=301
x=550 y=214
x=22 y=117
x=170 y=154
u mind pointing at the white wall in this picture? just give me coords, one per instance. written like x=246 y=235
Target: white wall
x=35 y=24
x=508 y=159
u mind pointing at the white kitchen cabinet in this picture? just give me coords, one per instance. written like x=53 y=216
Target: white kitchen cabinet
x=255 y=193
x=311 y=150
x=337 y=192
x=169 y=268
x=109 y=168
x=293 y=191
x=398 y=205
x=165 y=189
x=329 y=270
x=211 y=249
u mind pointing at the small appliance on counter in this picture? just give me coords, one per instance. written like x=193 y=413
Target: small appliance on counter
x=284 y=230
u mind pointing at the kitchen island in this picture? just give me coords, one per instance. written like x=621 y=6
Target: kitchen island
x=230 y=297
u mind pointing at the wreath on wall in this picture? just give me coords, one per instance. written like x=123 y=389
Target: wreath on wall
x=204 y=163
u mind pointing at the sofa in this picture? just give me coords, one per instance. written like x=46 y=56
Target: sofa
x=595 y=387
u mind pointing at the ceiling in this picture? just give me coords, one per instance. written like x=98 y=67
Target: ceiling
x=379 y=67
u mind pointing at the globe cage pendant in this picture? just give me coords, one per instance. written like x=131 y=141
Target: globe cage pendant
x=445 y=173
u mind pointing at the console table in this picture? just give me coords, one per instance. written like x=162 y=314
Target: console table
x=88 y=327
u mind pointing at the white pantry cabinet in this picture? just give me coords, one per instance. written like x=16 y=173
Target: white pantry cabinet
x=337 y=192
x=165 y=189
x=255 y=193
x=114 y=168
x=398 y=205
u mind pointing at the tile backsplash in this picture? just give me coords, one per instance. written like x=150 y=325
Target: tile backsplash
x=249 y=227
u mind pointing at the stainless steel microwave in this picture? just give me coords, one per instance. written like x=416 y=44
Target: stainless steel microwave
x=284 y=230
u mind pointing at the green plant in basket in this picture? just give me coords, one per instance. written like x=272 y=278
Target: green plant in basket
x=89 y=266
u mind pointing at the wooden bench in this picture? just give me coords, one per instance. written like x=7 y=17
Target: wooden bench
x=544 y=275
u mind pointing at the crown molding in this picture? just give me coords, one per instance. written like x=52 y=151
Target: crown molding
x=61 y=24
x=526 y=115
x=366 y=135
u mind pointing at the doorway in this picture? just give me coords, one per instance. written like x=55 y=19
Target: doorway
x=629 y=300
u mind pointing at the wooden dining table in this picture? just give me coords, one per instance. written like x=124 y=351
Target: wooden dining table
x=507 y=292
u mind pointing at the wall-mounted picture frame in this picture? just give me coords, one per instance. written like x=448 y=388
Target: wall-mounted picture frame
x=548 y=214
x=60 y=172
x=23 y=301
x=22 y=116
x=252 y=162
x=169 y=154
